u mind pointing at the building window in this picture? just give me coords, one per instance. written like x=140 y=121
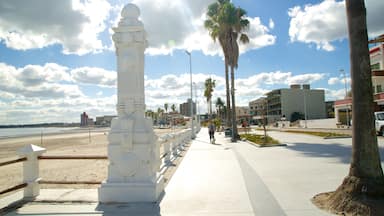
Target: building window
x=378 y=88
x=375 y=66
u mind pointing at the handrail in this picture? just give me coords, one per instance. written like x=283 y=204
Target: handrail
x=68 y=182
x=66 y=157
x=14 y=188
x=12 y=161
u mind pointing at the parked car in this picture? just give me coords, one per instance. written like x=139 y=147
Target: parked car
x=379 y=123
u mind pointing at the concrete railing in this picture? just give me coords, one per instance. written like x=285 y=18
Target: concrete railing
x=171 y=144
x=170 y=147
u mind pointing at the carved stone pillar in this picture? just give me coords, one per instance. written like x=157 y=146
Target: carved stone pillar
x=133 y=151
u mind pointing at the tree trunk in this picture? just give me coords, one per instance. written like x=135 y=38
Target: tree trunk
x=234 y=125
x=210 y=108
x=365 y=155
x=228 y=116
x=365 y=180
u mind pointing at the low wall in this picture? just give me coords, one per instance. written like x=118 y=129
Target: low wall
x=319 y=123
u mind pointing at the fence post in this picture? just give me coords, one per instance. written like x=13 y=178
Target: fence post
x=167 y=151
x=31 y=169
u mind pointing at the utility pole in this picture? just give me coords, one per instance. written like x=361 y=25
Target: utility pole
x=346 y=94
x=190 y=73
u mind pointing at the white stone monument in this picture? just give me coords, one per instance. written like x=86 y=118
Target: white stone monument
x=133 y=151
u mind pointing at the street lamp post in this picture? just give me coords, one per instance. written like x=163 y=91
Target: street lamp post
x=346 y=94
x=197 y=106
x=305 y=109
x=190 y=73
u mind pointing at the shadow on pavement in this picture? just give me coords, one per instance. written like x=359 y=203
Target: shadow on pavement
x=137 y=209
x=207 y=142
x=335 y=150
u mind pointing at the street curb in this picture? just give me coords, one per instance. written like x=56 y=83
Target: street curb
x=337 y=137
x=263 y=146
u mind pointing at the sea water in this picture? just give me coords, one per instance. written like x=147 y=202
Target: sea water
x=27 y=131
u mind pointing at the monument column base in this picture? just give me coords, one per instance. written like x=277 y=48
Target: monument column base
x=131 y=192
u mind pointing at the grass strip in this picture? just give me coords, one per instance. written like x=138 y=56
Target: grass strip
x=259 y=139
x=318 y=133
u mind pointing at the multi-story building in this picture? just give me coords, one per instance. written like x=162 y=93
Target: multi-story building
x=282 y=103
x=376 y=54
x=185 y=108
x=258 y=109
x=85 y=120
x=104 y=121
x=242 y=114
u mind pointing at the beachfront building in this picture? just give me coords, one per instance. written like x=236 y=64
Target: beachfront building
x=185 y=108
x=280 y=104
x=85 y=121
x=242 y=114
x=257 y=109
x=376 y=54
x=104 y=121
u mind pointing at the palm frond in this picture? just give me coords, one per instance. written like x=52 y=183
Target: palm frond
x=244 y=38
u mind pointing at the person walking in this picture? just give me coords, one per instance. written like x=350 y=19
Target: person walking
x=211 y=131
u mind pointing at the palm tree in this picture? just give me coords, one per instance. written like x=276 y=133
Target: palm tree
x=166 y=107
x=365 y=179
x=227 y=24
x=173 y=108
x=160 y=113
x=209 y=87
x=149 y=113
x=219 y=104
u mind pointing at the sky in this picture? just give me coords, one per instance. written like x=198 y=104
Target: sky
x=57 y=58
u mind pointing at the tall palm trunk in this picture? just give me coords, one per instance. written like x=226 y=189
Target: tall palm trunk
x=210 y=108
x=228 y=117
x=365 y=154
x=234 y=125
x=365 y=179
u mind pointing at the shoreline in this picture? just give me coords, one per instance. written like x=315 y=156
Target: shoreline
x=63 y=131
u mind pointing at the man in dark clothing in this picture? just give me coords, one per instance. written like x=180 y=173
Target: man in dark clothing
x=211 y=131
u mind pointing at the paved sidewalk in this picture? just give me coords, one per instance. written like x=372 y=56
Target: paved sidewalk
x=231 y=179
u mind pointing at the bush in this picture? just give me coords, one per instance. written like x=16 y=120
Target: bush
x=297 y=116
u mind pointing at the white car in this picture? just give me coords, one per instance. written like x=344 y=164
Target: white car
x=379 y=123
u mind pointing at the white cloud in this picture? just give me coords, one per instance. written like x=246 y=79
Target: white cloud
x=32 y=75
x=39 y=96
x=305 y=78
x=271 y=24
x=93 y=75
x=33 y=110
x=180 y=25
x=48 y=81
x=333 y=80
x=6 y=95
x=258 y=35
x=326 y=22
x=75 y=24
x=331 y=95
x=175 y=89
x=339 y=80
x=49 y=93
x=279 y=78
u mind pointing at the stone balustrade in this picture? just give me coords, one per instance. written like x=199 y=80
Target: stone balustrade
x=171 y=144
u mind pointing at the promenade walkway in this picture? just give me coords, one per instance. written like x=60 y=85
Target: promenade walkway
x=230 y=179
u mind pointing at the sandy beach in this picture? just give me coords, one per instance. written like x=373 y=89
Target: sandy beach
x=76 y=143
